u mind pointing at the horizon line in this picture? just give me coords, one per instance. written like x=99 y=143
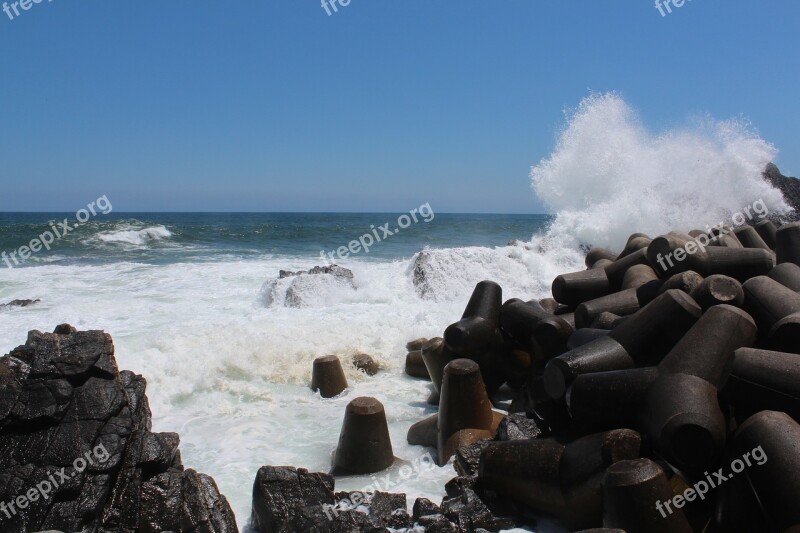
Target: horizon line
x=269 y=213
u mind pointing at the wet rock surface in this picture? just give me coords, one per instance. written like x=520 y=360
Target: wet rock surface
x=76 y=448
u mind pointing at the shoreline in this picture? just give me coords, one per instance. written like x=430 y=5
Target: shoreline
x=583 y=309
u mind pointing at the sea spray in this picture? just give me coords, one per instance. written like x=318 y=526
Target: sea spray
x=609 y=175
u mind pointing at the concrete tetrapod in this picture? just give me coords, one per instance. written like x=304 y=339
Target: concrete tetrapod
x=364 y=443
x=327 y=376
x=477 y=335
x=631 y=490
x=465 y=412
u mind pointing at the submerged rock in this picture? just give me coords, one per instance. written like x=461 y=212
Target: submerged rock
x=77 y=452
x=334 y=270
x=316 y=286
x=19 y=303
x=421 y=273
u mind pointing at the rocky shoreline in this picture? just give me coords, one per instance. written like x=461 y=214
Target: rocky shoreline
x=636 y=389
x=63 y=402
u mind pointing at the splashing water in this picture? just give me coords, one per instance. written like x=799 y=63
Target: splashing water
x=609 y=176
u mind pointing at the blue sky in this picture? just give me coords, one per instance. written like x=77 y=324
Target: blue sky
x=260 y=105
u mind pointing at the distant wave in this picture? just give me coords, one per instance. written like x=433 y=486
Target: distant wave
x=133 y=235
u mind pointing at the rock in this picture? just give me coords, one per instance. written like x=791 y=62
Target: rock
x=421 y=269
x=468 y=458
x=334 y=270
x=65 y=329
x=438 y=524
x=518 y=427
x=67 y=409
x=288 y=499
x=307 y=288
x=19 y=303
x=391 y=509
x=366 y=364
x=459 y=485
x=469 y=512
x=425 y=507
x=789 y=187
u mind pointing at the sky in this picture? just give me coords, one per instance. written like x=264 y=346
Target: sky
x=274 y=105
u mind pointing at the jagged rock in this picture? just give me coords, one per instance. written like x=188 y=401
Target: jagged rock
x=439 y=524
x=391 y=509
x=76 y=450
x=470 y=513
x=468 y=458
x=459 y=485
x=306 y=288
x=19 y=303
x=288 y=499
x=425 y=507
x=518 y=426
x=789 y=187
x=334 y=270
x=65 y=329
x=420 y=275
x=385 y=503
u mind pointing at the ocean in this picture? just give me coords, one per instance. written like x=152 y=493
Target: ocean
x=193 y=301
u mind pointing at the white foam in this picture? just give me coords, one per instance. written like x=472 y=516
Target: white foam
x=610 y=176
x=133 y=235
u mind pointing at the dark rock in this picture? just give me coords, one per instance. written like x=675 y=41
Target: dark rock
x=390 y=508
x=458 y=486
x=470 y=513
x=67 y=409
x=288 y=499
x=789 y=187
x=65 y=329
x=438 y=524
x=425 y=507
x=518 y=427
x=399 y=519
x=468 y=457
x=19 y=303
x=385 y=503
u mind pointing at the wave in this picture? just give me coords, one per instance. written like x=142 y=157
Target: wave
x=610 y=176
x=132 y=235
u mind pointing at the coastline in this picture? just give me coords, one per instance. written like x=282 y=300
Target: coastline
x=531 y=422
